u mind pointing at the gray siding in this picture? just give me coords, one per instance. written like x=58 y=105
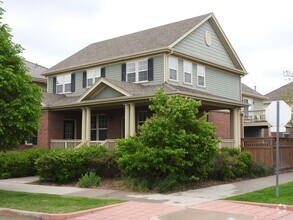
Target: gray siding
x=50 y=84
x=194 y=45
x=218 y=82
x=108 y=93
x=113 y=71
x=223 y=84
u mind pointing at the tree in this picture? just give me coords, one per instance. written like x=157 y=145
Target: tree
x=288 y=75
x=173 y=145
x=20 y=100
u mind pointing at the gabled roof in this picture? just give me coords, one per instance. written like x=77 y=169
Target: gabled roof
x=149 y=41
x=278 y=93
x=35 y=71
x=247 y=91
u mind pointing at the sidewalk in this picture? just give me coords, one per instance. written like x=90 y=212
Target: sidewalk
x=181 y=205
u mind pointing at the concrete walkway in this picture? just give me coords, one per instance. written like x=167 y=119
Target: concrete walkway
x=181 y=205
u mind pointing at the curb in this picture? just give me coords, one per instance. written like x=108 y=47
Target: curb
x=20 y=213
x=62 y=216
x=267 y=205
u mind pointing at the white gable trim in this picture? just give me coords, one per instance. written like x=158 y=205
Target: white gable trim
x=190 y=31
x=227 y=45
x=102 y=82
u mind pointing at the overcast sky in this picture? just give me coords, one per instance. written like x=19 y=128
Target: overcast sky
x=260 y=31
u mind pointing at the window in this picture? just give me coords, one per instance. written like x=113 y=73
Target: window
x=141 y=118
x=142 y=70
x=63 y=83
x=130 y=72
x=187 y=72
x=201 y=72
x=173 y=68
x=92 y=76
x=137 y=71
x=69 y=128
x=99 y=127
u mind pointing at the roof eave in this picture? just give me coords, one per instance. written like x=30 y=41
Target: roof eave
x=121 y=100
x=108 y=61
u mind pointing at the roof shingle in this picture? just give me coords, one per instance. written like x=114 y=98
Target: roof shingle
x=135 y=43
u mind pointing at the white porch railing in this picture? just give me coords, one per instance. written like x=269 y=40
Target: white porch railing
x=108 y=143
x=68 y=144
x=254 y=115
x=226 y=143
x=65 y=144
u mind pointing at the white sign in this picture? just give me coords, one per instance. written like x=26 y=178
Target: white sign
x=284 y=115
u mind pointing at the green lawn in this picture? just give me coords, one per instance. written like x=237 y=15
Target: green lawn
x=268 y=195
x=49 y=203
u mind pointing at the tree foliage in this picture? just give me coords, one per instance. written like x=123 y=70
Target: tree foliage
x=20 y=100
x=173 y=145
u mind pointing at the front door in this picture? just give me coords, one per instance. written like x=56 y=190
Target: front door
x=99 y=127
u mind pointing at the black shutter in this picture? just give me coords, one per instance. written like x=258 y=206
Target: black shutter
x=73 y=82
x=123 y=72
x=151 y=69
x=103 y=72
x=54 y=84
x=84 y=79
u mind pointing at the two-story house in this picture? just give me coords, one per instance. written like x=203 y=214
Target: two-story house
x=102 y=92
x=283 y=93
x=254 y=116
x=35 y=71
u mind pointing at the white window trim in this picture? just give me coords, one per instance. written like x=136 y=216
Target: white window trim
x=92 y=75
x=136 y=71
x=191 y=78
x=169 y=59
x=204 y=75
x=63 y=83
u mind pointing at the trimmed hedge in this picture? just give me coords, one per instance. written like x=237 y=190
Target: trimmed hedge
x=68 y=165
x=19 y=163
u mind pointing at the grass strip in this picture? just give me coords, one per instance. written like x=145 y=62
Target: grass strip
x=268 y=195
x=50 y=203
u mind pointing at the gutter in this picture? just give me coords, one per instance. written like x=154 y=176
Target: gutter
x=122 y=100
x=107 y=61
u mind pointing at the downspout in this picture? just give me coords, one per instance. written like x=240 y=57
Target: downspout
x=166 y=63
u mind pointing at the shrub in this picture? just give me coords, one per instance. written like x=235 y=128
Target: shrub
x=167 y=184
x=19 y=163
x=173 y=142
x=106 y=165
x=231 y=163
x=89 y=180
x=67 y=165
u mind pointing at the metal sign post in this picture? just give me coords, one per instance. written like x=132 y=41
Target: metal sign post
x=277 y=149
x=283 y=113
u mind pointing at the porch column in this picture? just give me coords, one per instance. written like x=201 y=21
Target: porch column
x=132 y=119
x=88 y=125
x=235 y=124
x=126 y=119
x=83 y=124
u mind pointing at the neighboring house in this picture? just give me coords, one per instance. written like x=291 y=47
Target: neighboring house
x=283 y=93
x=254 y=117
x=35 y=71
x=102 y=92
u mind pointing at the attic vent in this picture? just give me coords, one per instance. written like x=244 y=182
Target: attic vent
x=208 y=38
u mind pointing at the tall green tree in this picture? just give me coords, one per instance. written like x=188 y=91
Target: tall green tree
x=20 y=100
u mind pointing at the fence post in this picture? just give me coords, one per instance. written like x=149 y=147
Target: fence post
x=272 y=151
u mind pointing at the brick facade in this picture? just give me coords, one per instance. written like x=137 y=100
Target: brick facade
x=221 y=120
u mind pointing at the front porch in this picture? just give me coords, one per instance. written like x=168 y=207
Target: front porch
x=103 y=125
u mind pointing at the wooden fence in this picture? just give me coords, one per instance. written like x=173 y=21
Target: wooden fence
x=264 y=151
